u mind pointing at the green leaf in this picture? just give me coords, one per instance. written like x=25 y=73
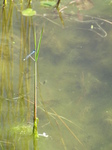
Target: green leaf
x=28 y=12
x=38 y=48
x=48 y=3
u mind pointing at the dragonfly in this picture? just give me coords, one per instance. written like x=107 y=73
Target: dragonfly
x=29 y=55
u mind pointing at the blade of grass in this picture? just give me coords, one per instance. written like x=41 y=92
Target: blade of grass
x=36 y=120
x=38 y=48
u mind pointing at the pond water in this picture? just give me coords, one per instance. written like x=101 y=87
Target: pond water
x=74 y=77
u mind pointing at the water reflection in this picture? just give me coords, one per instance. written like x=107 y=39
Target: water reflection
x=83 y=4
x=15 y=82
x=74 y=84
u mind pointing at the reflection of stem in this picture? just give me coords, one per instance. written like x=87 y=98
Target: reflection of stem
x=60 y=15
x=6 y=52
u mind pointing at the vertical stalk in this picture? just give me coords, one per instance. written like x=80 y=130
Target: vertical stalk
x=35 y=131
x=35 y=99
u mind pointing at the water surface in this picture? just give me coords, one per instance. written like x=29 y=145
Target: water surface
x=74 y=78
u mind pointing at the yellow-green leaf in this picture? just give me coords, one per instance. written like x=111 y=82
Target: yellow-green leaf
x=28 y=12
x=48 y=3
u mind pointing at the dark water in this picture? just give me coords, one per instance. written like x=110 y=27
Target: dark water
x=74 y=78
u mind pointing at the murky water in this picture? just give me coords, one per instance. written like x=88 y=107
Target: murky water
x=74 y=78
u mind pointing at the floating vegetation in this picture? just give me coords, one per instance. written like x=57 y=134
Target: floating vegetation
x=28 y=12
x=48 y=3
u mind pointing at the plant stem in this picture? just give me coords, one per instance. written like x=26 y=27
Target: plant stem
x=35 y=99
x=35 y=131
x=58 y=2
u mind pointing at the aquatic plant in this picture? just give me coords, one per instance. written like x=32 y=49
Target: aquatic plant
x=53 y=113
x=50 y=3
x=37 y=49
x=28 y=12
